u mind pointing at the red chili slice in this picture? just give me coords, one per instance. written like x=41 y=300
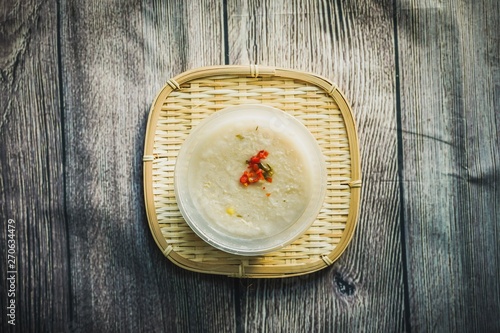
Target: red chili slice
x=255 y=170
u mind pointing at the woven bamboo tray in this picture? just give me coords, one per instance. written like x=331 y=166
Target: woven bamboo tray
x=192 y=96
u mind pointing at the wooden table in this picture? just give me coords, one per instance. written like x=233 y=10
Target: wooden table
x=78 y=79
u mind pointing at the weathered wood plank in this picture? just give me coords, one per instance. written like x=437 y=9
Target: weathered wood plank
x=450 y=78
x=179 y=36
x=115 y=59
x=31 y=170
x=352 y=44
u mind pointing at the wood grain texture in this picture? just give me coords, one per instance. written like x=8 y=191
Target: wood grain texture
x=77 y=79
x=31 y=169
x=450 y=79
x=179 y=36
x=115 y=58
x=351 y=44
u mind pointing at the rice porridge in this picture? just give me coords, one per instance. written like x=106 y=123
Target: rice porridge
x=249 y=180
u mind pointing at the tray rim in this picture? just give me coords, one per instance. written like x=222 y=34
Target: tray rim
x=252 y=271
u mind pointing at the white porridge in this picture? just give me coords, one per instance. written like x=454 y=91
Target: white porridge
x=249 y=209
x=250 y=179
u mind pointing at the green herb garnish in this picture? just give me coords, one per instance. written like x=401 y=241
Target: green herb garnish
x=267 y=170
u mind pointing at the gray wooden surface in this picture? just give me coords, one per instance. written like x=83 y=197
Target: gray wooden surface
x=78 y=78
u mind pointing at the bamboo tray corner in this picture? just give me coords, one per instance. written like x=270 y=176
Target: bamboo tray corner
x=190 y=97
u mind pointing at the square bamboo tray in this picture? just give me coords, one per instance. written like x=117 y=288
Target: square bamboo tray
x=192 y=96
